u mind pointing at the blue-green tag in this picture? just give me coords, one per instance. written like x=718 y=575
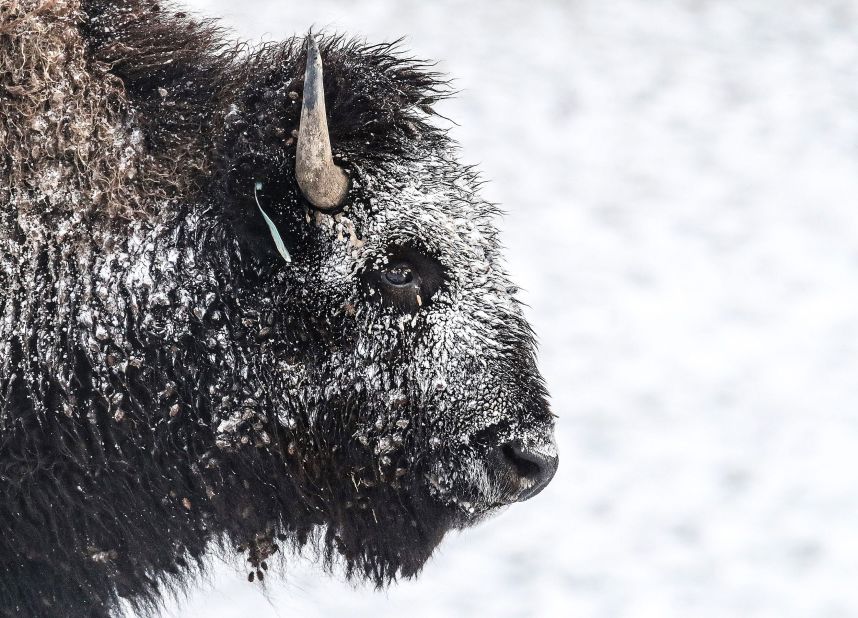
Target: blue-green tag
x=275 y=234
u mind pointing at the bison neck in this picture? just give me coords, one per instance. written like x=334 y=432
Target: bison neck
x=110 y=473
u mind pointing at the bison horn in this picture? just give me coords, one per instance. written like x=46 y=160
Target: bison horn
x=323 y=183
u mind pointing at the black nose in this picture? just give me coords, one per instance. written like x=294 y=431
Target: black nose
x=531 y=469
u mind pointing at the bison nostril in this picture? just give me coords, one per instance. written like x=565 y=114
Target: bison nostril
x=533 y=469
x=525 y=466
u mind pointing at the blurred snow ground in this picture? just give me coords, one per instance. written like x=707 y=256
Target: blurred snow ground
x=682 y=190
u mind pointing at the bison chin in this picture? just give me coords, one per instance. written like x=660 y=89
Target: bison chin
x=381 y=533
x=393 y=539
x=367 y=521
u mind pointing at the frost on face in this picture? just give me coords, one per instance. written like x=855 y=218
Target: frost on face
x=441 y=385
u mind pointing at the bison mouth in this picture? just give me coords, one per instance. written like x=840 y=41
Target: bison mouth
x=384 y=531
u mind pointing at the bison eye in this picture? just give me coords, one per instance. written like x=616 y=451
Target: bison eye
x=399 y=275
x=407 y=282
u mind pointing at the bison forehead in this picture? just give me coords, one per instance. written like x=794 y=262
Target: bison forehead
x=431 y=205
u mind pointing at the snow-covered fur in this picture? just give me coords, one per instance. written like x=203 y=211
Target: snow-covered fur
x=168 y=382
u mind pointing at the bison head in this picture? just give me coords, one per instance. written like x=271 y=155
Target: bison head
x=396 y=356
x=244 y=302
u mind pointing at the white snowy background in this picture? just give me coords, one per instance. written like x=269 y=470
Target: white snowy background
x=681 y=182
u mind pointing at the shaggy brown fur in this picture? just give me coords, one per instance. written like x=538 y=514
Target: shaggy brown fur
x=67 y=151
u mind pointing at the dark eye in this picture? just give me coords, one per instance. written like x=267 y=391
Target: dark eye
x=398 y=275
x=406 y=282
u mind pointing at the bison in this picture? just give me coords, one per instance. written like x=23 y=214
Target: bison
x=251 y=300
